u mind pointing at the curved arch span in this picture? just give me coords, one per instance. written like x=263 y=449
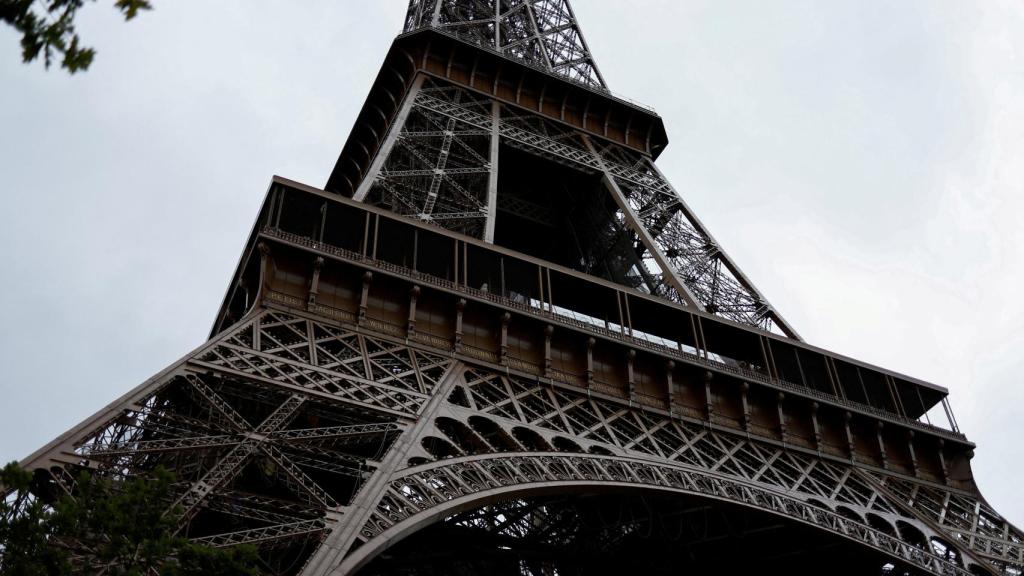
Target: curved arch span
x=422 y=496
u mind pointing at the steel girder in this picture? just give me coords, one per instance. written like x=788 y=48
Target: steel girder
x=440 y=165
x=622 y=532
x=264 y=448
x=609 y=443
x=308 y=406
x=540 y=33
x=439 y=168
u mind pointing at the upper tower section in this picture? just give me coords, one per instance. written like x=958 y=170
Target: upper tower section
x=541 y=33
x=490 y=119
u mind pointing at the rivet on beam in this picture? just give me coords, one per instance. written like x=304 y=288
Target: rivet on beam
x=850 y=445
x=364 y=298
x=881 y=445
x=414 y=295
x=783 y=430
x=314 y=285
x=590 y=360
x=548 y=331
x=503 y=350
x=460 y=307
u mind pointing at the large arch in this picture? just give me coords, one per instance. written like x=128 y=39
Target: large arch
x=424 y=495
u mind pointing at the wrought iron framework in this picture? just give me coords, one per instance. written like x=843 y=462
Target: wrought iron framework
x=541 y=33
x=440 y=165
x=391 y=373
x=289 y=430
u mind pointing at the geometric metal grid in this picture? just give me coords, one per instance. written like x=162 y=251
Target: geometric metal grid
x=270 y=431
x=620 y=533
x=323 y=442
x=966 y=518
x=511 y=476
x=296 y=434
x=440 y=164
x=440 y=167
x=505 y=436
x=540 y=33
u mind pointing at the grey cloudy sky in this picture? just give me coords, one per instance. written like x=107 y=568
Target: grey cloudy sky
x=861 y=160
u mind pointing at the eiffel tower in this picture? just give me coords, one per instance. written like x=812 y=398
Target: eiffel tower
x=499 y=342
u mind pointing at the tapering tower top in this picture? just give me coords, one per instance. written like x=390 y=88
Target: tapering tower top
x=542 y=33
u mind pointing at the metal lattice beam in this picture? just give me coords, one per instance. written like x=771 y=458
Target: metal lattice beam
x=436 y=169
x=540 y=33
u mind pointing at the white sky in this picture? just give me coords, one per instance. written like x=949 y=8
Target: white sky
x=860 y=160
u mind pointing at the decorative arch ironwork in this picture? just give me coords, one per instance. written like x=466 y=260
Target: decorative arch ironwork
x=424 y=494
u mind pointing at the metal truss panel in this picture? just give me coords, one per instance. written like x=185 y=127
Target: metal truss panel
x=354 y=470
x=270 y=429
x=439 y=169
x=323 y=436
x=965 y=518
x=488 y=450
x=543 y=34
x=442 y=168
x=453 y=485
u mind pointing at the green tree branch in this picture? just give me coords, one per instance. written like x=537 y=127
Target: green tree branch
x=47 y=28
x=121 y=529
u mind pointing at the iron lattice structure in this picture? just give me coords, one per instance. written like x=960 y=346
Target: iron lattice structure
x=500 y=342
x=441 y=166
x=543 y=33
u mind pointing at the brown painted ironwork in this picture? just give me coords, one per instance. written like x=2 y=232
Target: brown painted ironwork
x=500 y=325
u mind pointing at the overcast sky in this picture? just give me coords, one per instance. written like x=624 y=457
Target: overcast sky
x=860 y=160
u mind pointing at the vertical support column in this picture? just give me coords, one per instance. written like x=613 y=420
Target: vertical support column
x=364 y=297
x=314 y=355
x=670 y=367
x=881 y=445
x=460 y=306
x=744 y=391
x=389 y=141
x=709 y=406
x=264 y=269
x=549 y=330
x=492 y=179
x=435 y=19
x=314 y=285
x=783 y=429
x=497 y=26
x=817 y=427
x=590 y=360
x=630 y=377
x=942 y=461
x=257 y=334
x=503 y=350
x=913 y=453
x=850 y=445
x=414 y=295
